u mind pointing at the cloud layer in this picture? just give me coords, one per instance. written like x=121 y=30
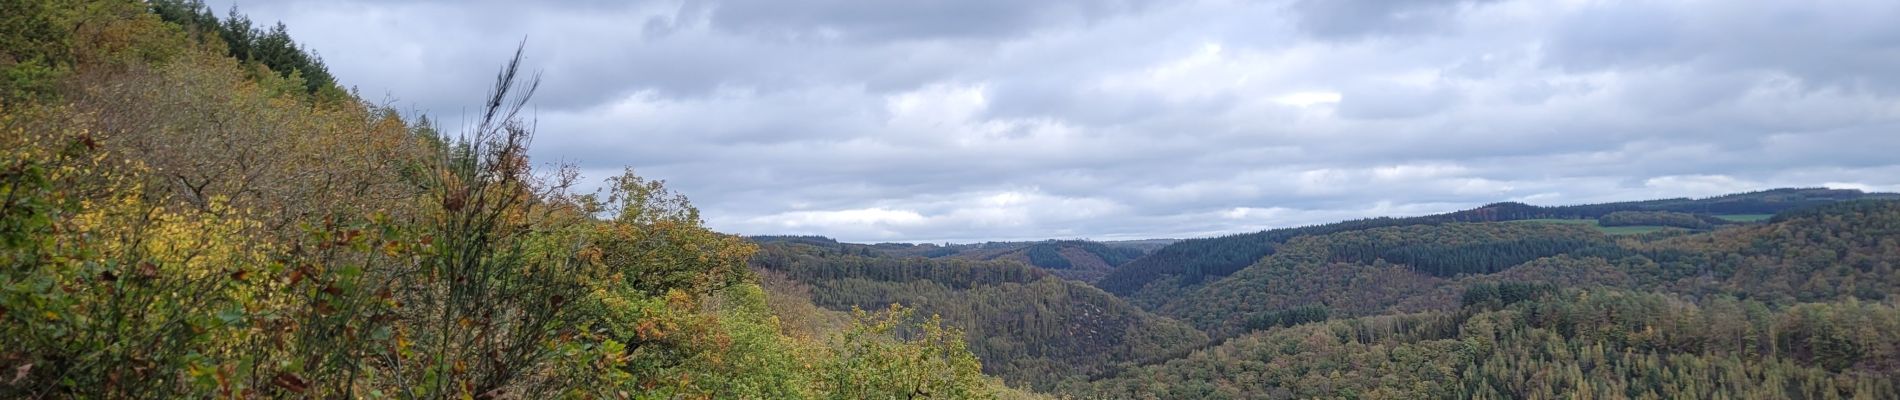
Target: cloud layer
x=961 y=120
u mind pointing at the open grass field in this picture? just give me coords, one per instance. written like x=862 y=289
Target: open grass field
x=1746 y=217
x=1634 y=230
x=1559 y=221
x=1613 y=230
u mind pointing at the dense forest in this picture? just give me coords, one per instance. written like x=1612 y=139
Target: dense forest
x=1797 y=306
x=192 y=206
x=1547 y=343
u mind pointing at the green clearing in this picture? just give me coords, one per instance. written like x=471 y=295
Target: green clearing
x=1612 y=230
x=1746 y=217
x=1559 y=221
x=1634 y=230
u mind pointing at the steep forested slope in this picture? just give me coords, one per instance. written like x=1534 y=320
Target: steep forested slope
x=191 y=208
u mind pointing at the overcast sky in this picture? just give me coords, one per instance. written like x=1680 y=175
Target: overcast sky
x=965 y=120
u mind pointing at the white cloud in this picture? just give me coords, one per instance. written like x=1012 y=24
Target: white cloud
x=1308 y=99
x=1699 y=185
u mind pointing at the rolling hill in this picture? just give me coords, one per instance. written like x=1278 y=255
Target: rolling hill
x=1192 y=262
x=1464 y=304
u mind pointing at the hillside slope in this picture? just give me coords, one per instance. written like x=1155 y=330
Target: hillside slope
x=1027 y=325
x=191 y=208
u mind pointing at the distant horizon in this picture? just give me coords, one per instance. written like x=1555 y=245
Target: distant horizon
x=1027 y=240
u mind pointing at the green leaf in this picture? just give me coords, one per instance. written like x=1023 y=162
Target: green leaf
x=231 y=316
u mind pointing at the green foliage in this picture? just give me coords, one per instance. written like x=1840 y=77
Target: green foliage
x=924 y=360
x=44 y=42
x=272 y=48
x=1288 y=317
x=1047 y=256
x=34 y=49
x=1504 y=293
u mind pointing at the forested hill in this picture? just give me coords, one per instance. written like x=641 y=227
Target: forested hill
x=1799 y=306
x=1081 y=260
x=1194 y=261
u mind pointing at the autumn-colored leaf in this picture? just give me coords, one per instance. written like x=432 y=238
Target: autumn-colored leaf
x=291 y=382
x=20 y=372
x=296 y=275
x=493 y=394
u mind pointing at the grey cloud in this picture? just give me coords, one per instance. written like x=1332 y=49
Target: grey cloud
x=1632 y=34
x=1352 y=19
x=932 y=121
x=1848 y=45
x=1389 y=101
x=836 y=20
